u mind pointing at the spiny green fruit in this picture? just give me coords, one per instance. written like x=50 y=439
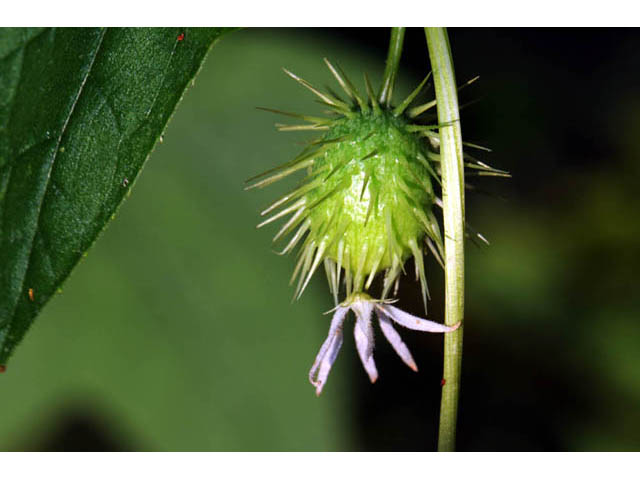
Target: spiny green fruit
x=366 y=204
x=371 y=203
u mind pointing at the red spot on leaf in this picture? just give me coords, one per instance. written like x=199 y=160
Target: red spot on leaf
x=443 y=382
x=181 y=37
x=3 y=368
x=31 y=296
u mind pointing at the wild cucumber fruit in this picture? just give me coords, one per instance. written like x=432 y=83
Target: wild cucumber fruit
x=367 y=202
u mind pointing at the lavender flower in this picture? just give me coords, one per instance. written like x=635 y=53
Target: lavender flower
x=363 y=306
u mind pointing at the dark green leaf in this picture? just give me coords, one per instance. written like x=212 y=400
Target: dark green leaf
x=80 y=111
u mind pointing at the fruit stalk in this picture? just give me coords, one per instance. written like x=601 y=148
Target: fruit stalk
x=453 y=213
x=393 y=62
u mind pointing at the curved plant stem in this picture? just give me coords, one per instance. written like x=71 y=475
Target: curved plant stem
x=391 y=69
x=453 y=199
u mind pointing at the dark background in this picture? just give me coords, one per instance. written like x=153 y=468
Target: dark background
x=177 y=332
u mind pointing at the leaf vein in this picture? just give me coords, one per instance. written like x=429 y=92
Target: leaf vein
x=55 y=154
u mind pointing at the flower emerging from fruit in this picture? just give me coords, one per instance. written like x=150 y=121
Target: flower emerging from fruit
x=365 y=206
x=363 y=306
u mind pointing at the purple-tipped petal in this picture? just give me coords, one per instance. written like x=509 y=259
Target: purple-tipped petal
x=363 y=310
x=327 y=361
x=394 y=339
x=410 y=321
x=363 y=334
x=328 y=351
x=367 y=361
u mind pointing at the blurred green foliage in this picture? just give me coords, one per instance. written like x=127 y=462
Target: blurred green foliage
x=555 y=298
x=178 y=331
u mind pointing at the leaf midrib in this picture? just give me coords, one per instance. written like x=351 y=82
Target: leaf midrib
x=52 y=163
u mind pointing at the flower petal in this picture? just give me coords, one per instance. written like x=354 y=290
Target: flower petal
x=328 y=351
x=363 y=310
x=327 y=361
x=414 y=323
x=394 y=339
x=363 y=333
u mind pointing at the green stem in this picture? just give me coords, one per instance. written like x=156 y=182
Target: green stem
x=453 y=213
x=391 y=69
